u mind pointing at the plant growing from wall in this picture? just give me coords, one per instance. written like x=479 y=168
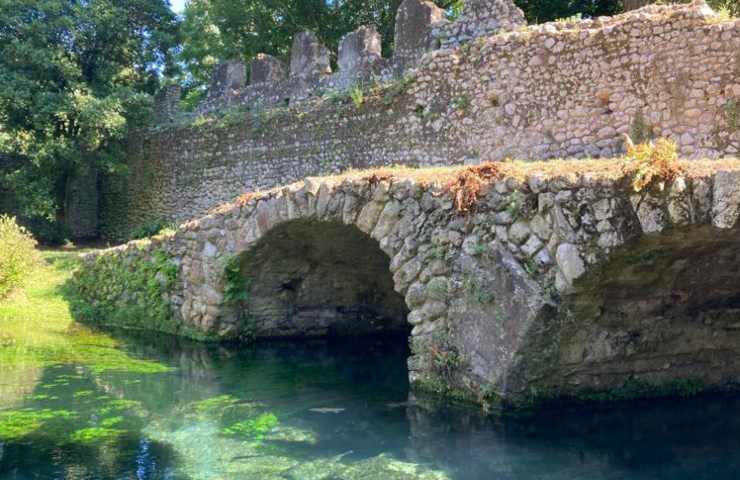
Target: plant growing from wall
x=651 y=165
x=732 y=113
x=357 y=96
x=236 y=295
x=476 y=291
x=442 y=357
x=468 y=187
x=461 y=102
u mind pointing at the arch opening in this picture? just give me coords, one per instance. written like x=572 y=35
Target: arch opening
x=311 y=278
x=662 y=309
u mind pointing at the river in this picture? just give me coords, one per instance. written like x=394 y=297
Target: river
x=327 y=410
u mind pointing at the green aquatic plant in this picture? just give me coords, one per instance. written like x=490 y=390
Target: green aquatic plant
x=214 y=404
x=111 y=422
x=45 y=334
x=95 y=434
x=119 y=405
x=222 y=407
x=255 y=428
x=16 y=424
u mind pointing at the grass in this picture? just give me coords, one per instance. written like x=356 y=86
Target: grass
x=37 y=329
x=608 y=169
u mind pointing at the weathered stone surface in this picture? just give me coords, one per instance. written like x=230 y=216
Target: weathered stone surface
x=373 y=258
x=726 y=207
x=480 y=18
x=357 y=47
x=227 y=78
x=570 y=262
x=266 y=69
x=308 y=57
x=413 y=33
x=485 y=101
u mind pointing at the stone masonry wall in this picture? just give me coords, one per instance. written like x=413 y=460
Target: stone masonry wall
x=514 y=299
x=537 y=92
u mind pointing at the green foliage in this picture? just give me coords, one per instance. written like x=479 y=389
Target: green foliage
x=476 y=291
x=151 y=229
x=236 y=295
x=571 y=19
x=75 y=77
x=357 y=96
x=443 y=360
x=540 y=11
x=236 y=284
x=15 y=424
x=218 y=30
x=461 y=102
x=19 y=256
x=732 y=113
x=254 y=428
x=131 y=291
x=726 y=8
x=39 y=330
x=93 y=435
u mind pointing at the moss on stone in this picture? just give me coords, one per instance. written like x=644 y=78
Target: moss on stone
x=129 y=291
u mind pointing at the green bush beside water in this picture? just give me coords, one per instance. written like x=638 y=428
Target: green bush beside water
x=18 y=255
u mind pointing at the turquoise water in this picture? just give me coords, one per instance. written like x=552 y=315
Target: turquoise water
x=323 y=410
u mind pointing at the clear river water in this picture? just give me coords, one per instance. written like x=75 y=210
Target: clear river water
x=327 y=410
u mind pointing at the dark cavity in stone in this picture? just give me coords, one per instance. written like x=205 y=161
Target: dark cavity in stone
x=311 y=278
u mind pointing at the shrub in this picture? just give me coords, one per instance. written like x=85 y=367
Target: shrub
x=357 y=96
x=150 y=229
x=652 y=165
x=18 y=255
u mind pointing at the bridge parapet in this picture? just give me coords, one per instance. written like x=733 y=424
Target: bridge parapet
x=516 y=297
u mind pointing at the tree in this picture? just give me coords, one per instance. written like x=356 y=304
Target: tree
x=218 y=30
x=538 y=11
x=75 y=77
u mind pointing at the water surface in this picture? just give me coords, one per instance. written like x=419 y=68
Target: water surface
x=325 y=410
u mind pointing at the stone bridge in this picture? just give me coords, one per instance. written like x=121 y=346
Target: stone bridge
x=551 y=279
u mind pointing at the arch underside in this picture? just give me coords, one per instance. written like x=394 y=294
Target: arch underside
x=663 y=309
x=315 y=278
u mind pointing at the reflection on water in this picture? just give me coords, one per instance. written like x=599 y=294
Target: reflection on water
x=319 y=410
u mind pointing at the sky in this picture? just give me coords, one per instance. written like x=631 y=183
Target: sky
x=177 y=5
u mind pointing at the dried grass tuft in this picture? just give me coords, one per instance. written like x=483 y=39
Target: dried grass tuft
x=470 y=185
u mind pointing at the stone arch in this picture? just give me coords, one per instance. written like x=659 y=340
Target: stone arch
x=662 y=310
x=369 y=213
x=309 y=277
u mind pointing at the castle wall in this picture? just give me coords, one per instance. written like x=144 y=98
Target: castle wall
x=538 y=92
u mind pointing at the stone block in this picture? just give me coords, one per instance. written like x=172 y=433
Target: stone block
x=359 y=47
x=413 y=34
x=227 y=77
x=726 y=208
x=266 y=69
x=308 y=57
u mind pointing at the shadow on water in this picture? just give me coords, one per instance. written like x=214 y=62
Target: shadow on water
x=335 y=409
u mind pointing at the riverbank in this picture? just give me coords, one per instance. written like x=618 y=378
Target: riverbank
x=37 y=331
